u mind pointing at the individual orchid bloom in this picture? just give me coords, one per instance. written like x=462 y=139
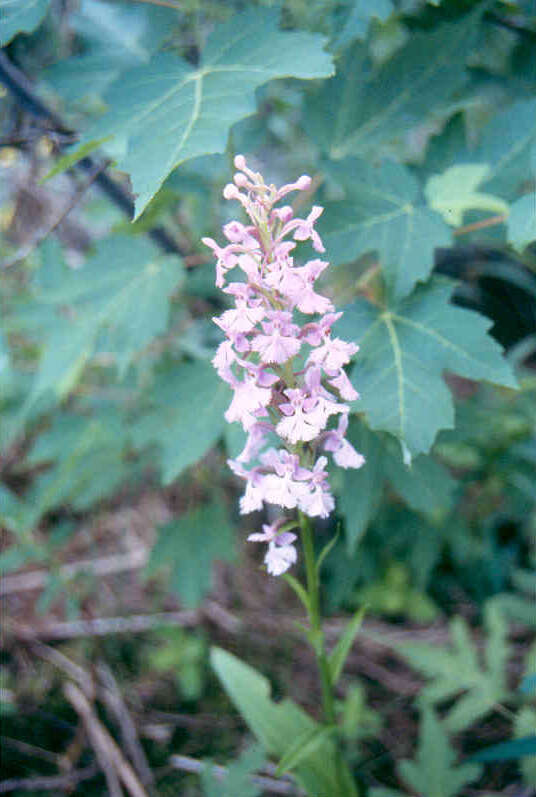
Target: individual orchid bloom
x=279 y=558
x=280 y=340
x=256 y=438
x=318 y=502
x=227 y=259
x=303 y=183
x=223 y=359
x=343 y=451
x=285 y=486
x=271 y=533
x=253 y=497
x=297 y=285
x=341 y=383
x=249 y=401
x=238 y=233
x=315 y=332
x=305 y=416
x=332 y=354
x=304 y=229
x=242 y=318
x=287 y=377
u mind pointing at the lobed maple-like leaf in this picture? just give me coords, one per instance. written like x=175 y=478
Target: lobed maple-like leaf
x=384 y=211
x=522 y=222
x=189 y=546
x=425 y=485
x=405 y=348
x=119 y=300
x=184 y=433
x=168 y=111
x=20 y=16
x=365 y=107
x=457 y=669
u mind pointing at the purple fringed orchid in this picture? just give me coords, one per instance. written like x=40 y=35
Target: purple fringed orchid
x=288 y=378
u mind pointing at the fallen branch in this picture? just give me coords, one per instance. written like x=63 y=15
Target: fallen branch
x=104 y=566
x=111 y=696
x=110 y=758
x=273 y=785
x=103 y=626
x=54 y=783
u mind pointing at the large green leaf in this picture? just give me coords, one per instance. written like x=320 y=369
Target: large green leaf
x=278 y=725
x=426 y=486
x=522 y=222
x=238 y=777
x=112 y=37
x=358 y=18
x=20 y=16
x=457 y=669
x=405 y=348
x=507 y=144
x=119 y=301
x=454 y=192
x=168 y=111
x=384 y=211
x=188 y=546
x=363 y=108
x=87 y=458
x=188 y=416
x=434 y=772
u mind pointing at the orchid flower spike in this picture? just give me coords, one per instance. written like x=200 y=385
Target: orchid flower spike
x=288 y=377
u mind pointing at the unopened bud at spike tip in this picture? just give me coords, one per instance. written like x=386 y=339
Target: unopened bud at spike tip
x=240 y=180
x=303 y=183
x=240 y=162
x=230 y=191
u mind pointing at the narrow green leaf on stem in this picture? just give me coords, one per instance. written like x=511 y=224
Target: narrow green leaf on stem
x=71 y=158
x=304 y=747
x=299 y=590
x=326 y=550
x=341 y=650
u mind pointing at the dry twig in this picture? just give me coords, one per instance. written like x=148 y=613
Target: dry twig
x=110 y=758
x=53 y=783
x=113 y=700
x=273 y=785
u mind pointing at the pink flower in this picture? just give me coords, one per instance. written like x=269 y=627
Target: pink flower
x=284 y=486
x=227 y=259
x=305 y=416
x=287 y=378
x=297 y=284
x=344 y=453
x=243 y=318
x=333 y=354
x=304 y=228
x=319 y=501
x=280 y=341
x=255 y=441
x=279 y=558
x=248 y=403
x=271 y=533
x=341 y=383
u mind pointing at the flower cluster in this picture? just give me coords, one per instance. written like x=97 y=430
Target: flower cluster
x=287 y=373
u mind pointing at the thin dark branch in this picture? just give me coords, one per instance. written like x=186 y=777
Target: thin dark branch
x=111 y=696
x=53 y=783
x=23 y=93
x=510 y=24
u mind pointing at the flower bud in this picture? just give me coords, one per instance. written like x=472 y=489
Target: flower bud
x=231 y=192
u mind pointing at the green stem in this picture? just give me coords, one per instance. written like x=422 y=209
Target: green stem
x=314 y=618
x=345 y=781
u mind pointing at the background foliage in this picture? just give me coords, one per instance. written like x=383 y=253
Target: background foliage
x=417 y=121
